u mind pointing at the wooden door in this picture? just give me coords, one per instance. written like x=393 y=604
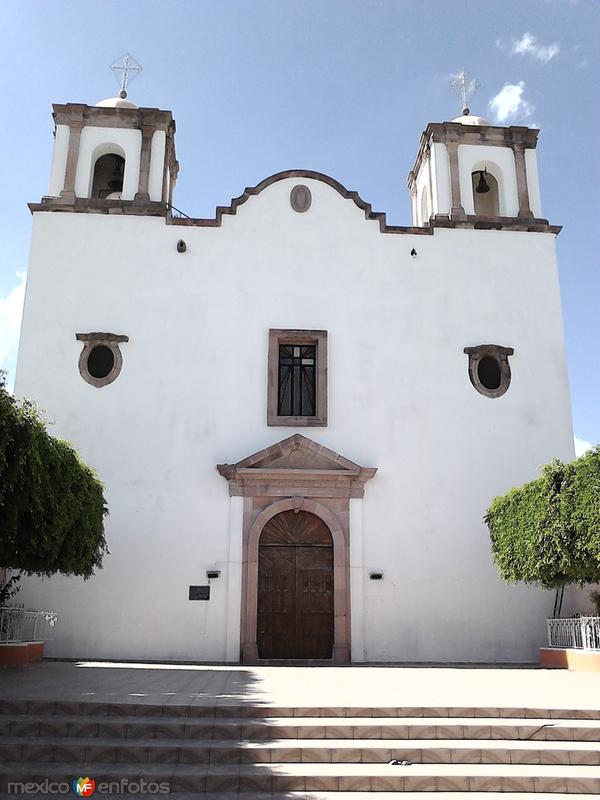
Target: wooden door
x=295 y=588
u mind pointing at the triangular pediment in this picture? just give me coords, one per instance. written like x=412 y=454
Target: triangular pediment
x=296 y=461
x=296 y=453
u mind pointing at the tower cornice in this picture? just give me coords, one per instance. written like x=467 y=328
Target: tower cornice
x=99 y=117
x=513 y=136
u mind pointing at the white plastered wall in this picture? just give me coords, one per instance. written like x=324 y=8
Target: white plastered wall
x=423 y=193
x=500 y=162
x=357 y=581
x=441 y=198
x=59 y=160
x=233 y=577
x=96 y=142
x=533 y=182
x=157 y=162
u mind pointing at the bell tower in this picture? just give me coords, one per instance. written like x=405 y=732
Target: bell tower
x=113 y=157
x=469 y=171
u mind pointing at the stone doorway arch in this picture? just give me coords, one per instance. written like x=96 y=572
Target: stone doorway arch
x=296 y=474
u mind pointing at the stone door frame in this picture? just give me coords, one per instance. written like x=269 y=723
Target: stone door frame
x=296 y=474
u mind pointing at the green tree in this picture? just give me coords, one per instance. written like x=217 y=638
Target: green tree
x=52 y=505
x=547 y=532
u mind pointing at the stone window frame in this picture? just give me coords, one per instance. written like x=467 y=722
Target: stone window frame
x=91 y=340
x=500 y=354
x=279 y=336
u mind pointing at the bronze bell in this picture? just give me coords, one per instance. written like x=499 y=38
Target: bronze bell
x=482 y=187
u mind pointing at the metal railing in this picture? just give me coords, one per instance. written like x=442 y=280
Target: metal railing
x=11 y=623
x=176 y=213
x=18 y=625
x=582 y=633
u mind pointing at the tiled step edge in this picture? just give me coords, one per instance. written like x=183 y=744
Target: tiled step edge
x=254 y=711
x=354 y=777
x=339 y=751
x=121 y=728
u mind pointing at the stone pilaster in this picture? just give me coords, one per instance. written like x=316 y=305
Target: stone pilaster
x=142 y=194
x=75 y=126
x=522 y=190
x=456 y=210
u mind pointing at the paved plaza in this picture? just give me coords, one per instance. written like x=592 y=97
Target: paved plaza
x=310 y=687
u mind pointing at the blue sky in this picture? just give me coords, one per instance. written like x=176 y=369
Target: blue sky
x=340 y=86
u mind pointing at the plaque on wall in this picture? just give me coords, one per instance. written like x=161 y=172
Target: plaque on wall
x=300 y=198
x=199 y=593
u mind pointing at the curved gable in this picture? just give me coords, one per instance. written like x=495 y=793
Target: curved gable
x=252 y=191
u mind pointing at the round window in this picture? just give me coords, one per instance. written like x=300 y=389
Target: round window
x=101 y=361
x=489 y=373
x=489 y=370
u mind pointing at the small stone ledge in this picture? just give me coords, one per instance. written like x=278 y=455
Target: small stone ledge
x=84 y=205
x=477 y=222
x=570 y=658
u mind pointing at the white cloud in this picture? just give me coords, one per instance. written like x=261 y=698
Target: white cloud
x=527 y=46
x=11 y=309
x=581 y=446
x=510 y=104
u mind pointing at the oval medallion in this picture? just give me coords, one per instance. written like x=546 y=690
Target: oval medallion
x=300 y=198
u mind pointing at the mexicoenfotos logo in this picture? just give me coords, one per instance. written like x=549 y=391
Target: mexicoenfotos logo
x=84 y=787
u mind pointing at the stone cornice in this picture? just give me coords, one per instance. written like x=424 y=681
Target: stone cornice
x=477 y=222
x=495 y=135
x=98 y=116
x=86 y=205
x=95 y=336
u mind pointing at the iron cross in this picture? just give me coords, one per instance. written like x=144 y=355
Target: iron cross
x=466 y=87
x=129 y=68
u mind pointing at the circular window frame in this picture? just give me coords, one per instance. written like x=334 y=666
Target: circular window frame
x=500 y=354
x=92 y=340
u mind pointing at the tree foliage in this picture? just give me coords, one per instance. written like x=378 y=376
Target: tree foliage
x=547 y=531
x=52 y=505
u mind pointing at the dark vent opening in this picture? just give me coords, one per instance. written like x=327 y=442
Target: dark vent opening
x=101 y=361
x=488 y=372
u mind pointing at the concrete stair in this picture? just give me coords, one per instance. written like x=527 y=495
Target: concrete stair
x=261 y=751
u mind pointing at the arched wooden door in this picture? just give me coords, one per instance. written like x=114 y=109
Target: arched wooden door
x=295 y=587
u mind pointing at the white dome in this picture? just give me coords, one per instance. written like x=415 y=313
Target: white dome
x=470 y=119
x=116 y=102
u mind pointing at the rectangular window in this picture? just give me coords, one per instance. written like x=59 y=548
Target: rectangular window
x=297 y=380
x=297 y=387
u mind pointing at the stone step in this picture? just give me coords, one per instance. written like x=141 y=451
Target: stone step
x=319 y=795
x=342 y=751
x=253 y=711
x=63 y=725
x=323 y=777
x=369 y=796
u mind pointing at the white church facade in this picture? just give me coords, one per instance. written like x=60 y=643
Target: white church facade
x=300 y=413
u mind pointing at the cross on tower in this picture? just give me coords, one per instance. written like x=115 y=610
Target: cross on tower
x=466 y=86
x=129 y=68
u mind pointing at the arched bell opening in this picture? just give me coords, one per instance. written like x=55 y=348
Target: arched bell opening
x=107 y=181
x=486 y=196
